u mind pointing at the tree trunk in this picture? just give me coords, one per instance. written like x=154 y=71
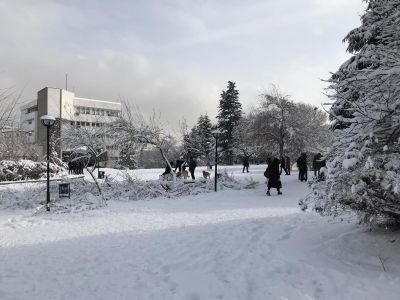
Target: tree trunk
x=281 y=146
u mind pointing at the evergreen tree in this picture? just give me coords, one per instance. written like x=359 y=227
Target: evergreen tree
x=127 y=156
x=192 y=143
x=363 y=163
x=206 y=139
x=229 y=114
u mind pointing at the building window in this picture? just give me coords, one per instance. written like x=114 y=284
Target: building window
x=112 y=113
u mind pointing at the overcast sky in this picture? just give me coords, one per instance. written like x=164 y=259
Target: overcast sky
x=174 y=56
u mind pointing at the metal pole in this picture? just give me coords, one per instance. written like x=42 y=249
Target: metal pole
x=48 y=170
x=216 y=163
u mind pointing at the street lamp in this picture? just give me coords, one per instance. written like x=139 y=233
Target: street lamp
x=48 y=121
x=216 y=133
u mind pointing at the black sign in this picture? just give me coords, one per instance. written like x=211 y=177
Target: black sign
x=101 y=174
x=64 y=190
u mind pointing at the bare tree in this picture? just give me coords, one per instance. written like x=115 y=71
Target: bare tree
x=132 y=127
x=8 y=101
x=274 y=118
x=14 y=146
x=245 y=144
x=91 y=140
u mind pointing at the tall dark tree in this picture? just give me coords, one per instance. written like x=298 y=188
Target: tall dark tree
x=229 y=114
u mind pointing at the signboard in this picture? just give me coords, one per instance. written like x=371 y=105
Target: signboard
x=64 y=190
x=101 y=174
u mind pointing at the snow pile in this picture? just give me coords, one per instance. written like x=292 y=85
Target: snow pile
x=126 y=187
x=84 y=196
x=27 y=169
x=233 y=244
x=133 y=188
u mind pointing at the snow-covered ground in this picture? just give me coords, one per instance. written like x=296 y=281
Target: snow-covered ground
x=225 y=245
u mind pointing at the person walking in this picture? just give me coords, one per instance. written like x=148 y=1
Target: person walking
x=302 y=166
x=274 y=179
x=283 y=166
x=246 y=164
x=192 y=166
x=317 y=161
x=288 y=166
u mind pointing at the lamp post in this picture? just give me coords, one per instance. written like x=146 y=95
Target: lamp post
x=48 y=121
x=216 y=133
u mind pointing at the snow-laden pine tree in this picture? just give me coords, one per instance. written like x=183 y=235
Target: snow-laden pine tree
x=192 y=143
x=364 y=162
x=229 y=114
x=206 y=139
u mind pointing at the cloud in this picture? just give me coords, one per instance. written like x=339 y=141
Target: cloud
x=173 y=56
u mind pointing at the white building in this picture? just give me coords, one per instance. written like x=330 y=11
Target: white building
x=71 y=110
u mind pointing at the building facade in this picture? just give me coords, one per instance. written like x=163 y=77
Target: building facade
x=68 y=110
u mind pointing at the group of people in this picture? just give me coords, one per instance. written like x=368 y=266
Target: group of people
x=76 y=167
x=181 y=166
x=317 y=164
x=276 y=166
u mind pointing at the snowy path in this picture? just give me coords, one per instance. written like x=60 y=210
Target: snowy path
x=225 y=245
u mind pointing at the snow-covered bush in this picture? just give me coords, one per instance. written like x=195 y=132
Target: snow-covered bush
x=27 y=169
x=84 y=196
x=363 y=162
x=131 y=188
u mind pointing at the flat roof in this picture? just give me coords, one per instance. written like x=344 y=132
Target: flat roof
x=102 y=101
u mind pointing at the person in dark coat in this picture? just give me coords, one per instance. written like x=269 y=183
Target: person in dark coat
x=274 y=179
x=268 y=169
x=178 y=164
x=192 y=166
x=288 y=166
x=246 y=164
x=317 y=164
x=168 y=168
x=302 y=166
x=283 y=166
